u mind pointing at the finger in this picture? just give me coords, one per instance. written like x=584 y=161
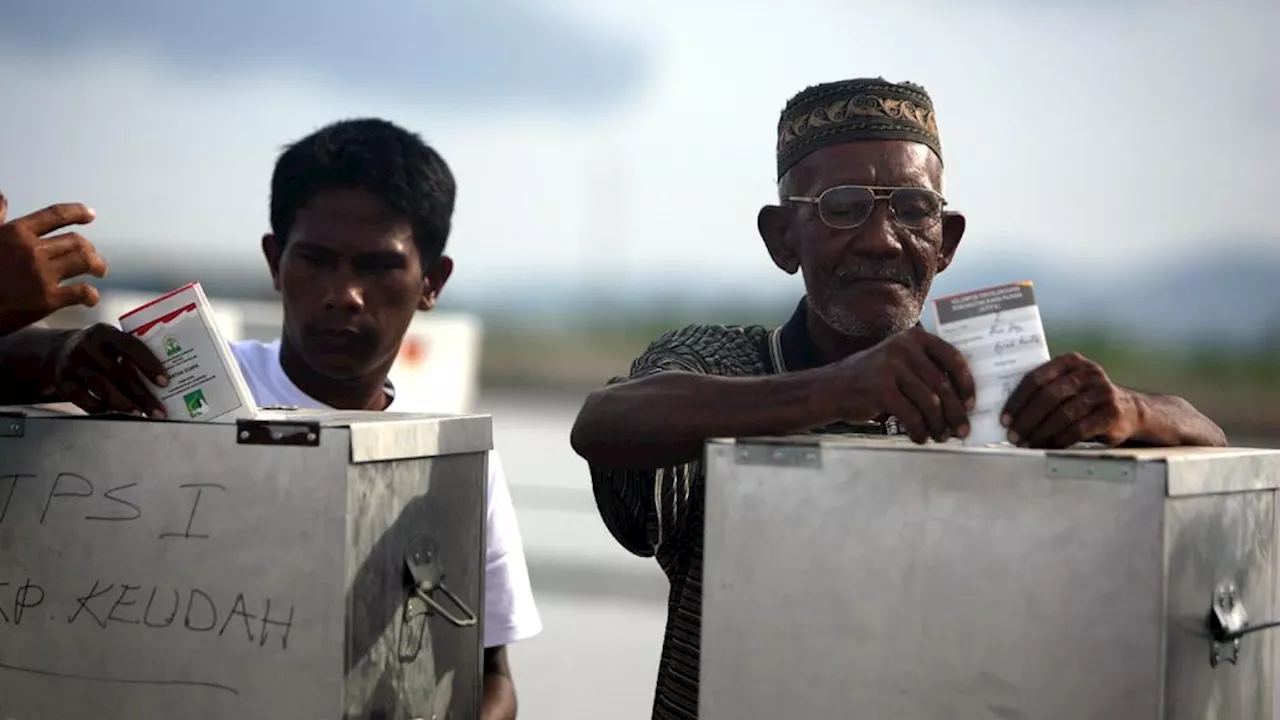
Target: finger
x=4 y=208
x=954 y=419
x=93 y=393
x=909 y=418
x=1093 y=426
x=78 y=294
x=1063 y=424
x=1100 y=425
x=73 y=255
x=136 y=353
x=129 y=380
x=55 y=217
x=1047 y=400
x=1028 y=387
x=77 y=263
x=952 y=361
x=925 y=401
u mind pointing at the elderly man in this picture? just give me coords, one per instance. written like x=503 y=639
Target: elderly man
x=861 y=216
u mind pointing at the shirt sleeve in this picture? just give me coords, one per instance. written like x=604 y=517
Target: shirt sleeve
x=648 y=511
x=510 y=614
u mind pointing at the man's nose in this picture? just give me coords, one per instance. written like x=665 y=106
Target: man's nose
x=344 y=295
x=878 y=234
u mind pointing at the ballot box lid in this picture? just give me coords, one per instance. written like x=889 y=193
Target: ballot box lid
x=373 y=436
x=1188 y=470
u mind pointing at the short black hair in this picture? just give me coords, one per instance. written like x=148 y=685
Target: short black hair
x=374 y=155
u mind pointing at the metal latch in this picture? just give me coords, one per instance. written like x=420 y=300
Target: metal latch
x=275 y=432
x=13 y=424
x=1228 y=623
x=425 y=578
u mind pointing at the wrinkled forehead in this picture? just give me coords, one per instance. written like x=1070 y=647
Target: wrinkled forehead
x=887 y=163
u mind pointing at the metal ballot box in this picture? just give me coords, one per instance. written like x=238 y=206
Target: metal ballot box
x=303 y=565
x=856 y=578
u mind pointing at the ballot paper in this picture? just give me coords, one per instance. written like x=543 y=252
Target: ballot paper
x=205 y=382
x=999 y=332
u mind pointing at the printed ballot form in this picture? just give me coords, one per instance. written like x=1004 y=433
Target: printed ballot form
x=999 y=332
x=205 y=382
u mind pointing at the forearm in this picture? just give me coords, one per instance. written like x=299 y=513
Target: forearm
x=665 y=419
x=499 y=699
x=26 y=365
x=1170 y=421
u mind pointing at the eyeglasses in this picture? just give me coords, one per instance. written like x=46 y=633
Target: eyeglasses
x=845 y=207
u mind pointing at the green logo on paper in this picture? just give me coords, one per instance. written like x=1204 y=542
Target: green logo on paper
x=171 y=347
x=196 y=404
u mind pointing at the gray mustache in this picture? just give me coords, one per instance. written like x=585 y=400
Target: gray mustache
x=849 y=275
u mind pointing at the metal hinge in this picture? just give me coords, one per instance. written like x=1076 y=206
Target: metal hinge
x=13 y=424
x=276 y=432
x=800 y=456
x=1090 y=468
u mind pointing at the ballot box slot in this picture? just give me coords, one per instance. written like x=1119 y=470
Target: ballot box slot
x=272 y=432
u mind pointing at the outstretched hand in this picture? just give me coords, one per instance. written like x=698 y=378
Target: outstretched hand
x=33 y=267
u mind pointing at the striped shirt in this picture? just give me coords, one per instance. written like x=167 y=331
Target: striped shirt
x=659 y=512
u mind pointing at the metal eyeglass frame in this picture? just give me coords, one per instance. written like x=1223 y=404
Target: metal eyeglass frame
x=878 y=193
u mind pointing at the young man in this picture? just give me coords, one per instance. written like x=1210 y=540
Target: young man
x=360 y=213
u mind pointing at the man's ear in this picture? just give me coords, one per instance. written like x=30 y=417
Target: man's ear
x=272 y=251
x=433 y=281
x=953 y=224
x=773 y=223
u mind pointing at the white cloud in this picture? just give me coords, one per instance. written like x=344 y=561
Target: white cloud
x=1080 y=135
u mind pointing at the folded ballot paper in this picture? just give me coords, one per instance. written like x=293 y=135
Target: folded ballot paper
x=998 y=331
x=205 y=383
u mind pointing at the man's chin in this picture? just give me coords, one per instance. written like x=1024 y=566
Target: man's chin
x=873 y=313
x=339 y=367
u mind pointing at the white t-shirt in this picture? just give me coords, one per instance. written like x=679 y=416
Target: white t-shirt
x=509 y=610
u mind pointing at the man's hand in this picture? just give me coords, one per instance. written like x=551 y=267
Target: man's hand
x=32 y=268
x=97 y=369
x=918 y=378
x=1068 y=400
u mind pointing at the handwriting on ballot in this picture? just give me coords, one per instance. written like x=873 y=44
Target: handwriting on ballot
x=177 y=521
x=998 y=330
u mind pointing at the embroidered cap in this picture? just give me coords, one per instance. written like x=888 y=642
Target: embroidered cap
x=851 y=110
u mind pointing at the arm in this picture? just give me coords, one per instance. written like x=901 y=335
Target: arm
x=1170 y=421
x=665 y=419
x=643 y=436
x=675 y=400
x=499 y=702
x=27 y=359
x=510 y=614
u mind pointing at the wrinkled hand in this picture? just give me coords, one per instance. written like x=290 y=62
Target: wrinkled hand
x=921 y=380
x=33 y=269
x=97 y=369
x=1068 y=400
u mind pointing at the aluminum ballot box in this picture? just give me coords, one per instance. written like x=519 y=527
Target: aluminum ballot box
x=301 y=565
x=860 y=578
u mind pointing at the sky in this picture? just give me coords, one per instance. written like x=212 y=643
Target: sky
x=633 y=142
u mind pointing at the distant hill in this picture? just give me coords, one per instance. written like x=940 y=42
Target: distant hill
x=1229 y=297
